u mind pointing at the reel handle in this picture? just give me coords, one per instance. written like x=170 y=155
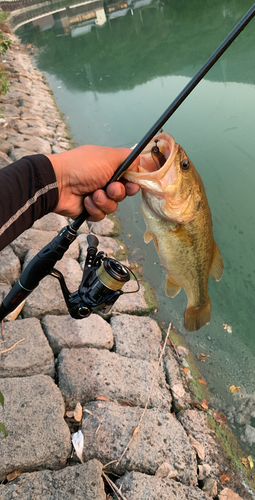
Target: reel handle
x=92 y=250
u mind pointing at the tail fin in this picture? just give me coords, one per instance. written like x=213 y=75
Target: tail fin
x=196 y=317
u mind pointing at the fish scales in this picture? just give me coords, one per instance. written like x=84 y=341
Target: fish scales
x=178 y=219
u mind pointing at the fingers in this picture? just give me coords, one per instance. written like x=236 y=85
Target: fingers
x=99 y=205
x=131 y=188
x=104 y=202
x=95 y=213
x=118 y=191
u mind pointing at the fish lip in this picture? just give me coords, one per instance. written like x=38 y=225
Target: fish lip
x=156 y=174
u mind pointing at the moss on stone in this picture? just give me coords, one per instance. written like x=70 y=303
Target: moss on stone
x=150 y=297
x=198 y=389
x=225 y=437
x=123 y=253
x=230 y=445
x=117 y=229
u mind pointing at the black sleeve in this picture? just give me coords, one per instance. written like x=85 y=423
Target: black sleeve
x=28 y=190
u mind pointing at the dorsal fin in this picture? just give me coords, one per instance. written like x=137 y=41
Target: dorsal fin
x=217 y=266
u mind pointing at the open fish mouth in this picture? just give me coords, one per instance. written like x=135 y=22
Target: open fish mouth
x=157 y=156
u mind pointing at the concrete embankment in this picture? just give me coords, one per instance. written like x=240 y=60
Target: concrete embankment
x=96 y=375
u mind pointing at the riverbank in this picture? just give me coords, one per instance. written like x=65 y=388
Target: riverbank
x=30 y=122
x=44 y=377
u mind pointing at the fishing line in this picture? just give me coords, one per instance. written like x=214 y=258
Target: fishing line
x=174 y=105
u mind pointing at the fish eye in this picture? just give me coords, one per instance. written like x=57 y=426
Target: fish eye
x=185 y=164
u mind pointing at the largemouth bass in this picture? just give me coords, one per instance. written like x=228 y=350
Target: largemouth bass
x=178 y=219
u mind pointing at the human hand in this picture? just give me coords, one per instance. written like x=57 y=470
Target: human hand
x=82 y=172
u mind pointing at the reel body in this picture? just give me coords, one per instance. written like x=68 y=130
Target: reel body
x=100 y=287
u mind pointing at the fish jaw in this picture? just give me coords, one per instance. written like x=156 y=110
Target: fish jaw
x=161 y=186
x=156 y=183
x=148 y=176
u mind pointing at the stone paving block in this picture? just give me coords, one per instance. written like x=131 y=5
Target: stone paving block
x=22 y=126
x=106 y=244
x=137 y=486
x=4 y=290
x=51 y=222
x=35 y=144
x=85 y=374
x=17 y=153
x=10 y=110
x=9 y=266
x=63 y=144
x=84 y=228
x=181 y=397
x=108 y=427
x=31 y=239
x=61 y=130
x=57 y=149
x=31 y=356
x=64 y=331
x=35 y=239
x=71 y=271
x=228 y=494
x=105 y=227
x=47 y=298
x=81 y=482
x=5 y=146
x=39 y=131
x=132 y=303
x=33 y=416
x=136 y=337
x=4 y=160
x=195 y=423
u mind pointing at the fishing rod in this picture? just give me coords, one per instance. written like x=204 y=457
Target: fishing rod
x=103 y=278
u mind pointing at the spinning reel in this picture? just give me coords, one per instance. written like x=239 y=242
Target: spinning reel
x=101 y=285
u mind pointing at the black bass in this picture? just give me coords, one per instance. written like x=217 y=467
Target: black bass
x=178 y=219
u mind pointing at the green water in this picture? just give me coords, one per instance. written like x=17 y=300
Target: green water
x=113 y=82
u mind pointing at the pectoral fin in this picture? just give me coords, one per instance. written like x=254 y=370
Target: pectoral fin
x=147 y=236
x=172 y=288
x=217 y=266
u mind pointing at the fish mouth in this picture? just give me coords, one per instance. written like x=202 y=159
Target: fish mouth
x=149 y=168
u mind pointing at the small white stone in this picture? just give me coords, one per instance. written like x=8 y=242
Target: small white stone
x=78 y=443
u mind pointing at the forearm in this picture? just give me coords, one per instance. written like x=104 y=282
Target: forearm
x=28 y=190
